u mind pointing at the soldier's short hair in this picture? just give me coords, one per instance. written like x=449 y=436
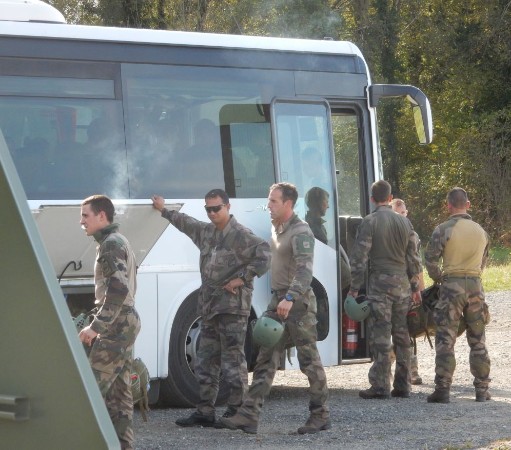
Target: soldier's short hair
x=289 y=191
x=457 y=197
x=218 y=193
x=99 y=203
x=380 y=191
x=397 y=202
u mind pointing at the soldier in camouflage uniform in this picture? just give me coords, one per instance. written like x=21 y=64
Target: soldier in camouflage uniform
x=387 y=239
x=399 y=206
x=231 y=256
x=294 y=302
x=462 y=244
x=316 y=200
x=115 y=326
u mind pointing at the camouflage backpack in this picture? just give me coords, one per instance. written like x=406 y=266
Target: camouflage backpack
x=420 y=317
x=420 y=323
x=140 y=382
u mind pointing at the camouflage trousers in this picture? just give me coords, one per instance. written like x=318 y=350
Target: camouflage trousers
x=300 y=331
x=111 y=360
x=461 y=297
x=221 y=350
x=389 y=297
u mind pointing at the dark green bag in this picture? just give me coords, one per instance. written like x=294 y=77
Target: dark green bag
x=420 y=323
x=420 y=317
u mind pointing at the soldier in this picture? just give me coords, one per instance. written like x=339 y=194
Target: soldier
x=293 y=301
x=462 y=244
x=388 y=240
x=116 y=324
x=231 y=256
x=399 y=207
x=316 y=200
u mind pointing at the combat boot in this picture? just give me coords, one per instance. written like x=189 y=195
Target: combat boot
x=372 y=393
x=416 y=378
x=315 y=424
x=482 y=396
x=230 y=411
x=197 y=419
x=239 y=422
x=439 y=396
x=401 y=394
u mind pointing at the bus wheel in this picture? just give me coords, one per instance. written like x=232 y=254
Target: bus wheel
x=181 y=388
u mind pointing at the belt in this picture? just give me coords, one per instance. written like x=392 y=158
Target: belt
x=459 y=275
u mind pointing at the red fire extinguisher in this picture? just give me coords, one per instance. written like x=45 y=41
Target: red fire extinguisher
x=350 y=330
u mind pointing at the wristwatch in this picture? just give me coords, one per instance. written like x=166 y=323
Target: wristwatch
x=289 y=298
x=241 y=276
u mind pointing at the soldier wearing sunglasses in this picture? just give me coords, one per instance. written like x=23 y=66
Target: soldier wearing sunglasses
x=231 y=256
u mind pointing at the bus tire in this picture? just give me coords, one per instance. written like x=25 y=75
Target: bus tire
x=180 y=388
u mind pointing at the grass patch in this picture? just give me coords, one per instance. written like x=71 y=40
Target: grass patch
x=499 y=256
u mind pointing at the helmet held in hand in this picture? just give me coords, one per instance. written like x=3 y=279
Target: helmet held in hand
x=267 y=331
x=356 y=308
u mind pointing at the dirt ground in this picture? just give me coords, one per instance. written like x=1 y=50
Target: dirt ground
x=369 y=424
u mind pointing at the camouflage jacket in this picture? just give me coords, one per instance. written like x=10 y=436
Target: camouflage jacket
x=386 y=239
x=461 y=243
x=224 y=255
x=292 y=245
x=317 y=226
x=114 y=276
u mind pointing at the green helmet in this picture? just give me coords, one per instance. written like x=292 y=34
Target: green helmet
x=357 y=309
x=267 y=331
x=81 y=321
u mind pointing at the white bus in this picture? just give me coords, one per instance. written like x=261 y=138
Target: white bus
x=131 y=112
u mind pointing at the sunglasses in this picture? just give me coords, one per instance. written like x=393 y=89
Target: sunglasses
x=215 y=209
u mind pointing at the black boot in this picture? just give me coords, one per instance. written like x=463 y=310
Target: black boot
x=371 y=393
x=197 y=419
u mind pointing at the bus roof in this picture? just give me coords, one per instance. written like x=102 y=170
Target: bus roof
x=180 y=38
x=29 y=11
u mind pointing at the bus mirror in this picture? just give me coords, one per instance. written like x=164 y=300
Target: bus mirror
x=419 y=124
x=420 y=106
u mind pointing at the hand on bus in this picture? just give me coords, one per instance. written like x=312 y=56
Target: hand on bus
x=233 y=285
x=158 y=202
x=283 y=308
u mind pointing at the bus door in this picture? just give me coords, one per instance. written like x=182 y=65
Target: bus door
x=302 y=139
x=353 y=162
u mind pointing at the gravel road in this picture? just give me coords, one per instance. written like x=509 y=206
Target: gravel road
x=359 y=424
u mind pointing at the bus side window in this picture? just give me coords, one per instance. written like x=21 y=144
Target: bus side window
x=31 y=161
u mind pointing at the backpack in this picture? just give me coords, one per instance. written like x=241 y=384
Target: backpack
x=420 y=318
x=420 y=323
x=140 y=383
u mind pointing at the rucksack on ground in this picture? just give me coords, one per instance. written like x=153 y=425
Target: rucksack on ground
x=140 y=382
